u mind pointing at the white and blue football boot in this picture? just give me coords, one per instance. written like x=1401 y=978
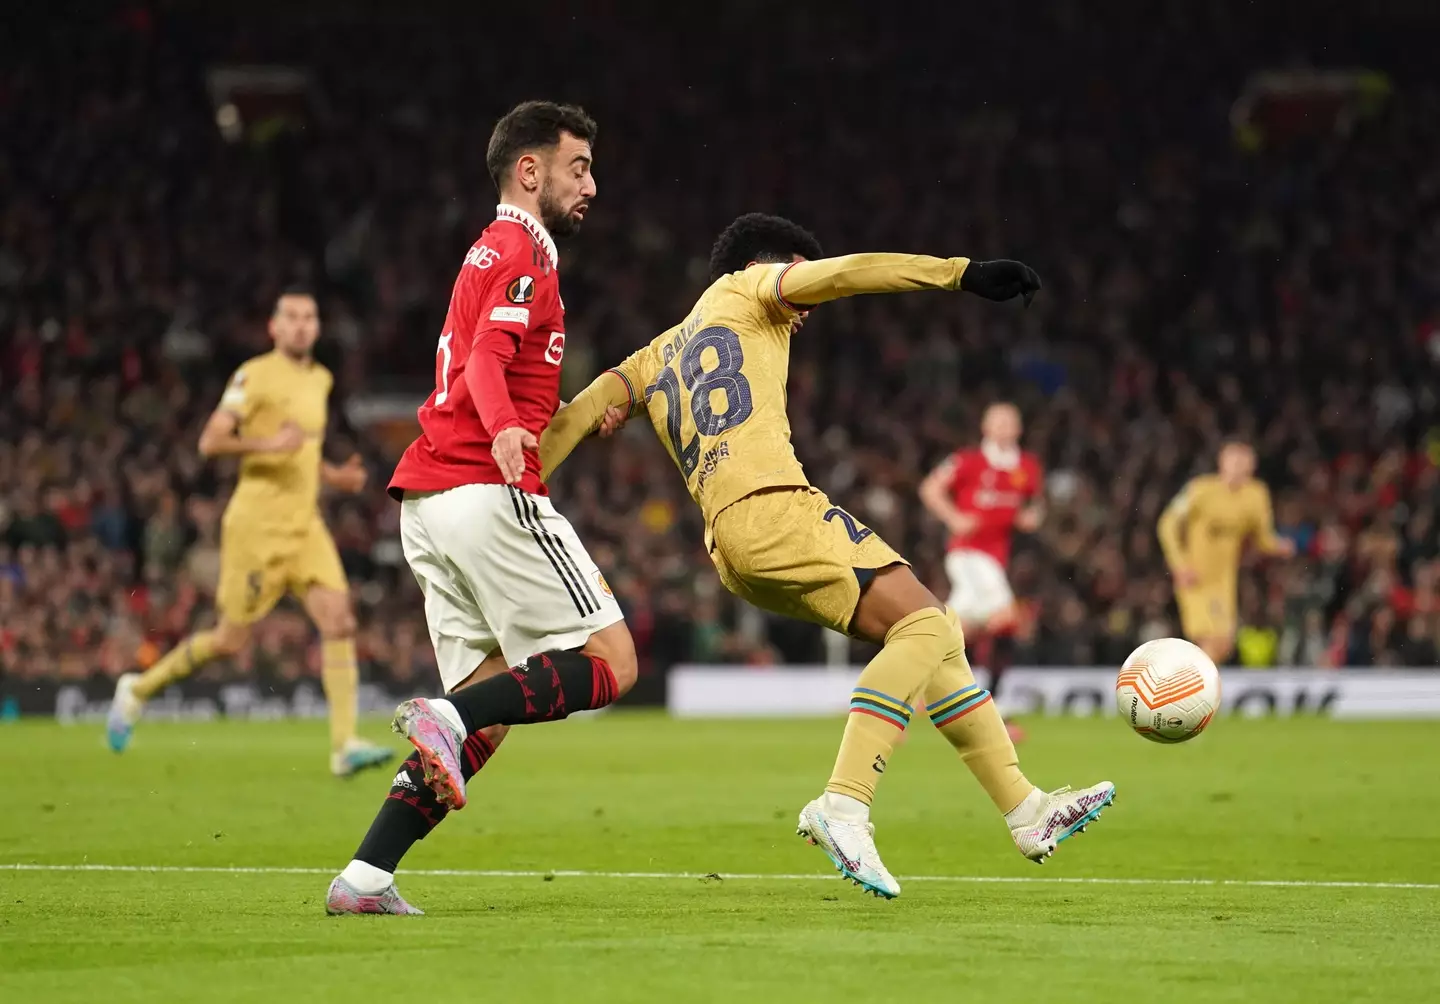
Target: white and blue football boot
x=849 y=842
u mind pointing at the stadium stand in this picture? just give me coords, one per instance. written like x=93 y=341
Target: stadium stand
x=142 y=240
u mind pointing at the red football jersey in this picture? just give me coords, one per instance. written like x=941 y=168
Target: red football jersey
x=995 y=495
x=505 y=305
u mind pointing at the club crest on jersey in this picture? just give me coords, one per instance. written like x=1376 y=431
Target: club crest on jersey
x=521 y=290
x=555 y=351
x=1017 y=478
x=604 y=586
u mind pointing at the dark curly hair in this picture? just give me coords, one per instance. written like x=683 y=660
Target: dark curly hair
x=533 y=125
x=760 y=237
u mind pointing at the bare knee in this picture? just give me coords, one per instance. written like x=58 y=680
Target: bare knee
x=617 y=648
x=230 y=638
x=894 y=594
x=340 y=626
x=493 y=664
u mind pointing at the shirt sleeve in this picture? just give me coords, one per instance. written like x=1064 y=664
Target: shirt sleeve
x=959 y=472
x=1171 y=528
x=638 y=372
x=800 y=285
x=621 y=386
x=242 y=395
x=506 y=291
x=485 y=378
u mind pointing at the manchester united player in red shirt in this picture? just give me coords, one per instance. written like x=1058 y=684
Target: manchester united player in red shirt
x=983 y=495
x=524 y=626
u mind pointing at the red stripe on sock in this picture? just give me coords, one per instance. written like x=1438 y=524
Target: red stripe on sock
x=482 y=741
x=603 y=685
x=432 y=814
x=875 y=714
x=478 y=749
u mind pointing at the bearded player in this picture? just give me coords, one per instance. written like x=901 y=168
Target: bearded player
x=507 y=582
x=1203 y=532
x=272 y=539
x=713 y=387
x=983 y=495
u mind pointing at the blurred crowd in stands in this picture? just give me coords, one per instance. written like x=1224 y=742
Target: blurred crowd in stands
x=1193 y=289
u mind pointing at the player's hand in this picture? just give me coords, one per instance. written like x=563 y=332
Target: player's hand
x=287 y=440
x=509 y=452
x=350 y=476
x=964 y=524
x=614 y=420
x=1001 y=279
x=1185 y=578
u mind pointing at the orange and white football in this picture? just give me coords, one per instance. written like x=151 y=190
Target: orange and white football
x=1168 y=690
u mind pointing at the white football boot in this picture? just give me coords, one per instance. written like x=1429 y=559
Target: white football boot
x=1055 y=816
x=850 y=844
x=125 y=711
x=358 y=755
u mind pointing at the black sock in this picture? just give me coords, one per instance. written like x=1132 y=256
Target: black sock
x=411 y=810
x=546 y=689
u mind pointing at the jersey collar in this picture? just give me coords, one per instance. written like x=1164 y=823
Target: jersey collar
x=536 y=229
x=1000 y=458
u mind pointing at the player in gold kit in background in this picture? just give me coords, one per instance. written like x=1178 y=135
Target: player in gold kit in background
x=273 y=415
x=1202 y=532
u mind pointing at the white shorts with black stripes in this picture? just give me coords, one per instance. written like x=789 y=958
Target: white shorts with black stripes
x=500 y=568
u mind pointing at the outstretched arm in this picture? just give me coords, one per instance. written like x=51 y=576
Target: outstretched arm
x=581 y=417
x=806 y=283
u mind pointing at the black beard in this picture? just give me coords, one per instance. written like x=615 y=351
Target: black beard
x=557 y=221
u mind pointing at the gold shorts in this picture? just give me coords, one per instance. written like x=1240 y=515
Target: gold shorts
x=1207 y=611
x=258 y=566
x=790 y=551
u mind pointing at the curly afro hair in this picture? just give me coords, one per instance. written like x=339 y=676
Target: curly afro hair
x=760 y=237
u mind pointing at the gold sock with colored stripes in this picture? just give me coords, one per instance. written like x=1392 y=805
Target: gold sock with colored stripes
x=913 y=649
x=969 y=720
x=340 y=675
x=178 y=663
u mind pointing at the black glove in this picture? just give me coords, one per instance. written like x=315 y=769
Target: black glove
x=1000 y=280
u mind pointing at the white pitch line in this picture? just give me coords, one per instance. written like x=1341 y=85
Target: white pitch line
x=733 y=876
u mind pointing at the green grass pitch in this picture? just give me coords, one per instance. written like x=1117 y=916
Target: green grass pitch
x=1298 y=803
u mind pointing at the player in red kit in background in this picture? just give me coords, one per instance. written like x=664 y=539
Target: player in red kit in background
x=983 y=495
x=524 y=625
